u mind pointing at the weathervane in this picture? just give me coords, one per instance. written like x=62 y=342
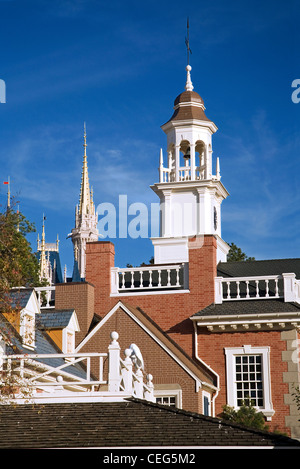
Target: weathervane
x=187 y=42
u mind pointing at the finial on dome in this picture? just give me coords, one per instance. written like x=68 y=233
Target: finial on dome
x=189 y=84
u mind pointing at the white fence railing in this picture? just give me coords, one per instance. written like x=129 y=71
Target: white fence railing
x=76 y=373
x=284 y=286
x=157 y=277
x=46 y=296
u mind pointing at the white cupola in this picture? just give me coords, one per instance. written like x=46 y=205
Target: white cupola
x=190 y=194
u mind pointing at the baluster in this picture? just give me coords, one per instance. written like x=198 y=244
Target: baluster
x=150 y=278
x=177 y=277
x=169 y=278
x=257 y=288
x=228 y=290
x=141 y=279
x=159 y=278
x=123 y=279
x=132 y=279
x=88 y=369
x=101 y=369
x=48 y=298
x=39 y=297
x=238 y=289
x=247 y=289
x=267 y=287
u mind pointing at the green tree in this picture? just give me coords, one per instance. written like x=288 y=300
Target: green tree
x=246 y=415
x=18 y=264
x=236 y=254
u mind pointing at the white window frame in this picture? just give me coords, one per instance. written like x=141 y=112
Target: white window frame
x=264 y=352
x=208 y=396
x=170 y=393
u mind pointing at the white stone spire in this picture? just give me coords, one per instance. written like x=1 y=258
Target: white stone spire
x=86 y=218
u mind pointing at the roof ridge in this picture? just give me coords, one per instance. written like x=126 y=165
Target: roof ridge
x=217 y=420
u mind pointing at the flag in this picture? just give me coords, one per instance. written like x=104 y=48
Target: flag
x=5 y=182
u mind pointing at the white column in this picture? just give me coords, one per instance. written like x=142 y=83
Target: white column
x=166 y=214
x=289 y=286
x=177 y=162
x=192 y=161
x=218 y=290
x=161 y=166
x=114 y=363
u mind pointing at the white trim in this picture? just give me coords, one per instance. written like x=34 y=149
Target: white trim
x=208 y=395
x=198 y=382
x=177 y=393
x=230 y=353
x=173 y=291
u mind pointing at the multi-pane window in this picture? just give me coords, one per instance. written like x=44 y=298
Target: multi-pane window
x=167 y=400
x=249 y=380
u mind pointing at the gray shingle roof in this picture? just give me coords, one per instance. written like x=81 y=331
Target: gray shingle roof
x=19 y=297
x=129 y=423
x=265 y=267
x=249 y=307
x=57 y=319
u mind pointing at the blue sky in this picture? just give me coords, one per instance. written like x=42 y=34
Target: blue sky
x=118 y=66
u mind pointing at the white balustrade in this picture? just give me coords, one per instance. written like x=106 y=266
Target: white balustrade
x=157 y=277
x=70 y=377
x=46 y=296
x=247 y=288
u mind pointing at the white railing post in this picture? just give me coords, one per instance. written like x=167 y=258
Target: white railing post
x=297 y=291
x=218 y=290
x=114 y=363
x=289 y=280
x=127 y=371
x=138 y=384
x=114 y=284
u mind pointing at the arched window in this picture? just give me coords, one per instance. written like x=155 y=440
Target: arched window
x=200 y=157
x=185 y=161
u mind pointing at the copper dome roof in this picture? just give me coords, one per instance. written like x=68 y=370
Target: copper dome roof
x=189 y=105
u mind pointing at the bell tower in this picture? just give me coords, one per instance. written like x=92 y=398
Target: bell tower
x=86 y=218
x=190 y=192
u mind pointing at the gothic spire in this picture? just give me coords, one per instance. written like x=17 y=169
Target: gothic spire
x=85 y=198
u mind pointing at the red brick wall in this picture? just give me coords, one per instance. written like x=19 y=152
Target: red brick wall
x=79 y=296
x=211 y=349
x=157 y=362
x=170 y=311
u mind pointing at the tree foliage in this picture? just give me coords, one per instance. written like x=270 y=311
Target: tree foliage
x=246 y=415
x=18 y=264
x=235 y=254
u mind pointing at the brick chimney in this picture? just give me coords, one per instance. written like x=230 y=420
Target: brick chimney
x=80 y=296
x=100 y=257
